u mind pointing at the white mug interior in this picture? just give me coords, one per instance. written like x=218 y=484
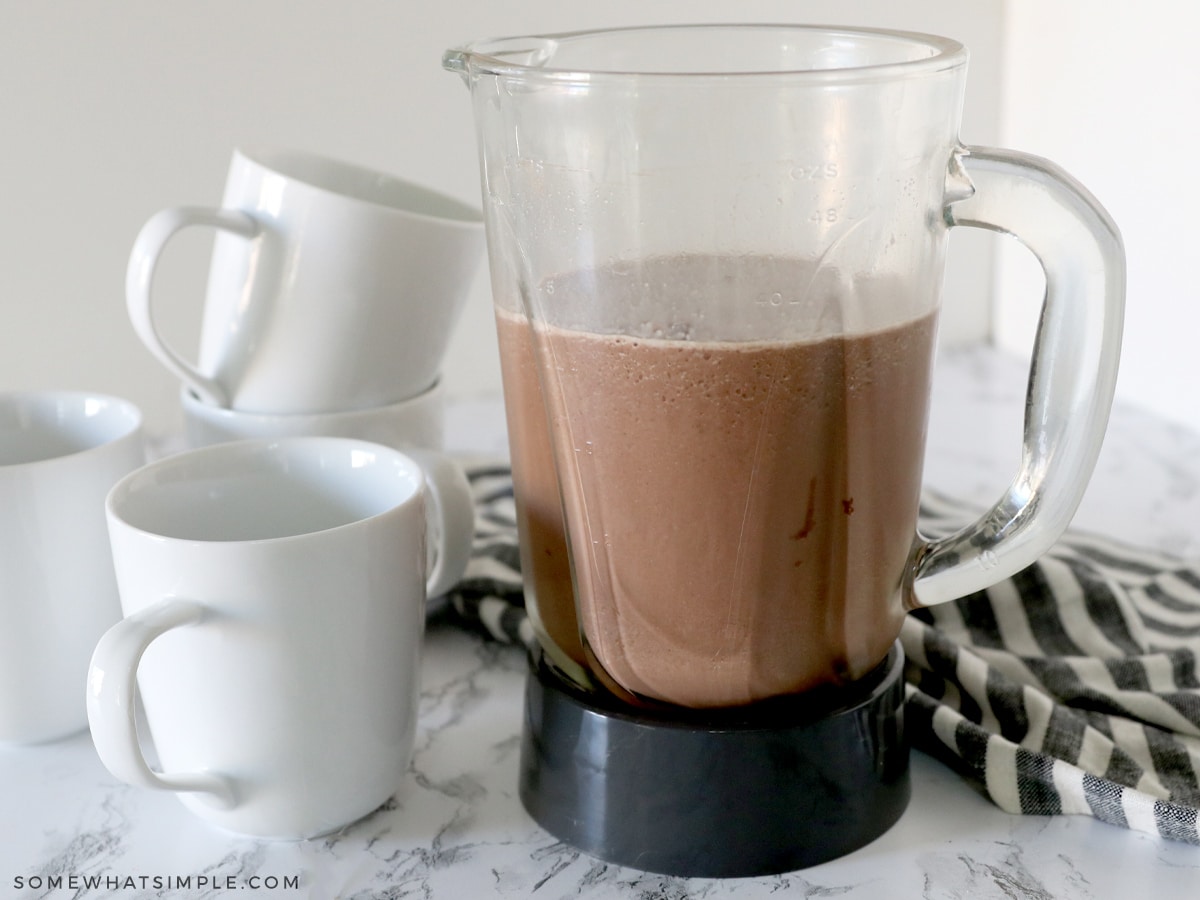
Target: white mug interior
x=255 y=490
x=41 y=425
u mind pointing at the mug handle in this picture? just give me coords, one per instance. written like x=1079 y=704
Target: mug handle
x=112 y=701
x=140 y=274
x=451 y=518
x=1073 y=371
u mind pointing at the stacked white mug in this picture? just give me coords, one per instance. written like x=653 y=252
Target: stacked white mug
x=332 y=288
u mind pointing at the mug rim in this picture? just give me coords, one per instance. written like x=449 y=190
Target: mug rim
x=226 y=415
x=154 y=475
x=126 y=416
x=485 y=56
x=353 y=182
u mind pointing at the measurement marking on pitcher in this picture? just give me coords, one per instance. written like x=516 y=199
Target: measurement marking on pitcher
x=820 y=172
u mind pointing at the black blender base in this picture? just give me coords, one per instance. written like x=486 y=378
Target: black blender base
x=770 y=788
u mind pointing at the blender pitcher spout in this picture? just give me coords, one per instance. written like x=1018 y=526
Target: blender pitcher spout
x=496 y=56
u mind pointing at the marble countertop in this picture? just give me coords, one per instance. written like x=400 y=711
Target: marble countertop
x=456 y=828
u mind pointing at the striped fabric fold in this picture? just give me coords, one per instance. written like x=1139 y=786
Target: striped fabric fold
x=1070 y=688
x=490 y=596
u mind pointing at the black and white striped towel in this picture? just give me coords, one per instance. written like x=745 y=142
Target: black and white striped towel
x=1071 y=687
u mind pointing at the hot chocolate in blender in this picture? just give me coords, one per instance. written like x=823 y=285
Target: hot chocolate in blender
x=716 y=256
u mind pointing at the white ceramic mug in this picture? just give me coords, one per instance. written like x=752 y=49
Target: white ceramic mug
x=274 y=598
x=60 y=452
x=331 y=287
x=416 y=422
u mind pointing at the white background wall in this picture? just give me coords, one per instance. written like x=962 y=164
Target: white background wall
x=1111 y=92
x=112 y=110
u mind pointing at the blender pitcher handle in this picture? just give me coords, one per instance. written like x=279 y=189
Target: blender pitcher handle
x=1073 y=370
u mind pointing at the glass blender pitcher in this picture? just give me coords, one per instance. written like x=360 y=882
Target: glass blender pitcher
x=716 y=255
